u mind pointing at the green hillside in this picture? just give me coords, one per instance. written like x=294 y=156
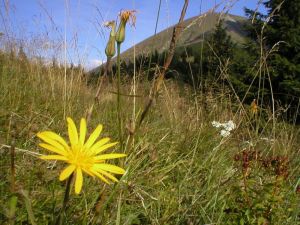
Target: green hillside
x=196 y=29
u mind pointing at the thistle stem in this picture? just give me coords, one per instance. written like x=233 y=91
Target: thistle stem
x=119 y=95
x=60 y=218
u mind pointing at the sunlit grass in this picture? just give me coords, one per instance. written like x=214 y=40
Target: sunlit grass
x=180 y=170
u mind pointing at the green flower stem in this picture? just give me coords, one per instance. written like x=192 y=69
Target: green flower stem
x=12 y=167
x=60 y=218
x=119 y=96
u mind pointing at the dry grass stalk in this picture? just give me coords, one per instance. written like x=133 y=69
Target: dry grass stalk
x=157 y=83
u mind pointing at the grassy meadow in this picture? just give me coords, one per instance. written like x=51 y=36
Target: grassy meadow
x=179 y=168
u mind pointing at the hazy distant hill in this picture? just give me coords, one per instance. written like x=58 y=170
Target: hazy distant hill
x=195 y=30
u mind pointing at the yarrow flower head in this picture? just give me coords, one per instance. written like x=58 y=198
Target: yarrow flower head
x=229 y=126
x=81 y=155
x=226 y=127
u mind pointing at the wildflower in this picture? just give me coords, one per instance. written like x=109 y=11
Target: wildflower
x=110 y=49
x=254 y=107
x=216 y=124
x=82 y=156
x=124 y=17
x=229 y=126
x=226 y=127
x=225 y=133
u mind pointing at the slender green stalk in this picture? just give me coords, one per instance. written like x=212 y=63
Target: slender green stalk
x=118 y=220
x=12 y=167
x=119 y=96
x=60 y=218
x=12 y=156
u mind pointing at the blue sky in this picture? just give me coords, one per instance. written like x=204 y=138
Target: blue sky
x=45 y=24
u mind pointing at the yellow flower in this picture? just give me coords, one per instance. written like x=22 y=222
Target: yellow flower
x=254 y=107
x=82 y=156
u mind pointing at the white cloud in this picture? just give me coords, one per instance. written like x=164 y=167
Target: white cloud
x=93 y=63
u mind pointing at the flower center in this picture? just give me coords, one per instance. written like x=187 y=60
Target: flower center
x=80 y=158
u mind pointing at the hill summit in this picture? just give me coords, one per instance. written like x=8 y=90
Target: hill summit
x=195 y=30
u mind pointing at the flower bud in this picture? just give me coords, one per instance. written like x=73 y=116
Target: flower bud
x=124 y=17
x=110 y=49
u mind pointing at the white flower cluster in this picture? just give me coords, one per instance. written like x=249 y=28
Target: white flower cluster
x=226 y=127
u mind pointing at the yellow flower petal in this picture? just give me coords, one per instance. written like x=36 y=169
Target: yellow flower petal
x=104 y=147
x=82 y=132
x=109 y=168
x=109 y=156
x=108 y=175
x=89 y=172
x=53 y=149
x=78 y=181
x=99 y=143
x=54 y=136
x=72 y=130
x=93 y=136
x=50 y=141
x=66 y=172
x=101 y=177
x=54 y=157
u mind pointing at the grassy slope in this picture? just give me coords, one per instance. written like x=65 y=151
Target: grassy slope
x=195 y=30
x=180 y=171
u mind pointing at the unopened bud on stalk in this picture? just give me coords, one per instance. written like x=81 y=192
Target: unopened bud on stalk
x=124 y=17
x=110 y=49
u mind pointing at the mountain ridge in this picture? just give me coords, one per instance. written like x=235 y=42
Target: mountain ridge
x=195 y=30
